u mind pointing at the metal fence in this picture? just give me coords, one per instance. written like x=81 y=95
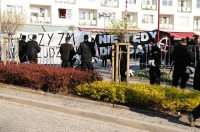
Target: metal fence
x=138 y=55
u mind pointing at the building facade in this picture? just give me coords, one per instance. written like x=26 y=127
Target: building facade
x=175 y=15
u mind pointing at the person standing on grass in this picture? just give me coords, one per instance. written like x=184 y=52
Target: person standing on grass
x=33 y=49
x=67 y=52
x=154 y=59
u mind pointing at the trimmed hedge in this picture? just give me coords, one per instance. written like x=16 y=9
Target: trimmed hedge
x=143 y=95
x=47 y=78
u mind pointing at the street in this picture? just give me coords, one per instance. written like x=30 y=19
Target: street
x=23 y=118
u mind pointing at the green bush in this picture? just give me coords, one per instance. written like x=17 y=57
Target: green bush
x=143 y=95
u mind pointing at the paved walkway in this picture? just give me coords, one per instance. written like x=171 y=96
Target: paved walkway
x=23 y=118
x=113 y=117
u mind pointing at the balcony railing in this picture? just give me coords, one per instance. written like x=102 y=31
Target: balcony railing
x=166 y=26
x=148 y=7
x=184 y=9
x=197 y=28
x=35 y=19
x=87 y=22
x=65 y=1
x=109 y=4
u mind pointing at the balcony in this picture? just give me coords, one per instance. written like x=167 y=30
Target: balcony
x=196 y=28
x=65 y=1
x=184 y=9
x=35 y=19
x=148 y=7
x=109 y=4
x=166 y=26
x=87 y=22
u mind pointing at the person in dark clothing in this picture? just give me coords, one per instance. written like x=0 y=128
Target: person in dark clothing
x=67 y=52
x=123 y=63
x=193 y=115
x=182 y=58
x=33 y=49
x=196 y=82
x=86 y=50
x=195 y=47
x=154 y=59
x=23 y=49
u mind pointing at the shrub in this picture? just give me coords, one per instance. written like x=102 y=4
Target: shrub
x=47 y=78
x=143 y=95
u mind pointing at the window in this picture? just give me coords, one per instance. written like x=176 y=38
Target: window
x=183 y=21
x=82 y=15
x=69 y=14
x=146 y=2
x=62 y=13
x=147 y=19
x=131 y=1
x=182 y=3
x=198 y=3
x=85 y=15
x=196 y=22
x=163 y=20
x=13 y=8
x=65 y=13
x=167 y=2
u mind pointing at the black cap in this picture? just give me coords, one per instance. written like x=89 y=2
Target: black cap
x=23 y=36
x=153 y=40
x=34 y=36
x=86 y=36
x=183 y=40
x=67 y=38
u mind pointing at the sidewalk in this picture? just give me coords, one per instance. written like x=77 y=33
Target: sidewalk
x=140 y=119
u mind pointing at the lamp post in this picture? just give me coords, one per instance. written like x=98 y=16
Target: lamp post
x=105 y=15
x=104 y=57
x=158 y=34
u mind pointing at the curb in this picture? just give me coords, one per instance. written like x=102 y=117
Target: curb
x=67 y=97
x=89 y=114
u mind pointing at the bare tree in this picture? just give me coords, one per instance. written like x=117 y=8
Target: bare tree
x=12 y=21
x=122 y=27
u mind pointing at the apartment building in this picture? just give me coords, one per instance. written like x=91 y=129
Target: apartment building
x=94 y=15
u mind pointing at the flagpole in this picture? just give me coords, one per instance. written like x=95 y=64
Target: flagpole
x=158 y=34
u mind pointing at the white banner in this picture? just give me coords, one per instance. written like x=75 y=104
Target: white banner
x=49 y=43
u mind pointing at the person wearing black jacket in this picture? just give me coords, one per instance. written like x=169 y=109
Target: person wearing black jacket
x=196 y=82
x=195 y=48
x=86 y=50
x=33 y=49
x=154 y=59
x=193 y=115
x=182 y=58
x=23 y=49
x=67 y=52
